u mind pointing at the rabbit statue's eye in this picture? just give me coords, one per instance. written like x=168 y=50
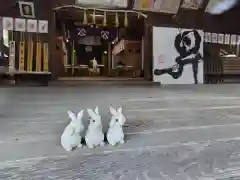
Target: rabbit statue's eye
x=116 y=120
x=93 y=120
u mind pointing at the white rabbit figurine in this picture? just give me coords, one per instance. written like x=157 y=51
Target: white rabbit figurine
x=115 y=132
x=94 y=136
x=71 y=137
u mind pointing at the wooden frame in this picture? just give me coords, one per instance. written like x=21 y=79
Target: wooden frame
x=23 y=5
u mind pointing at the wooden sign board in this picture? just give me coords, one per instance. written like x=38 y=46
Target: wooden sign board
x=26 y=9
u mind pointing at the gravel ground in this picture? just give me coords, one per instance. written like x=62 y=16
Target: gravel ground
x=172 y=133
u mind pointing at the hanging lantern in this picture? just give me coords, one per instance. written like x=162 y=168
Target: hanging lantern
x=105 y=19
x=85 y=17
x=125 y=20
x=117 y=20
x=94 y=17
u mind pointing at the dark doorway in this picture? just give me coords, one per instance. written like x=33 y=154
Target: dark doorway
x=85 y=53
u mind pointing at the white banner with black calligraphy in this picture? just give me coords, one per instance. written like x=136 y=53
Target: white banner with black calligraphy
x=177 y=56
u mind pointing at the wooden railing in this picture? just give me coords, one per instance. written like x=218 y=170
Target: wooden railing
x=220 y=69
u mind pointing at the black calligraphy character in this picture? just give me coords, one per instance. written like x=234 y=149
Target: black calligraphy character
x=187 y=45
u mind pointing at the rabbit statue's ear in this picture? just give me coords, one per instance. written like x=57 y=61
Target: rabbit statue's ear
x=80 y=114
x=71 y=115
x=112 y=110
x=91 y=113
x=120 y=110
x=96 y=110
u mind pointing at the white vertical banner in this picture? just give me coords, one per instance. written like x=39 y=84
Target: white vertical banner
x=238 y=41
x=207 y=37
x=227 y=39
x=233 y=39
x=7 y=23
x=32 y=25
x=20 y=25
x=42 y=26
x=220 y=38
x=12 y=51
x=214 y=38
x=238 y=46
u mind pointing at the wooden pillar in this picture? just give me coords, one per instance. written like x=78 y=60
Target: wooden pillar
x=148 y=48
x=52 y=43
x=109 y=59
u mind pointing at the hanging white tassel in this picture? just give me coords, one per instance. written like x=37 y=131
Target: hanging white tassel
x=85 y=17
x=116 y=20
x=105 y=19
x=94 y=17
x=125 y=20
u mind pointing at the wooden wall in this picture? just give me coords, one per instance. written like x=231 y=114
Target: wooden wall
x=43 y=11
